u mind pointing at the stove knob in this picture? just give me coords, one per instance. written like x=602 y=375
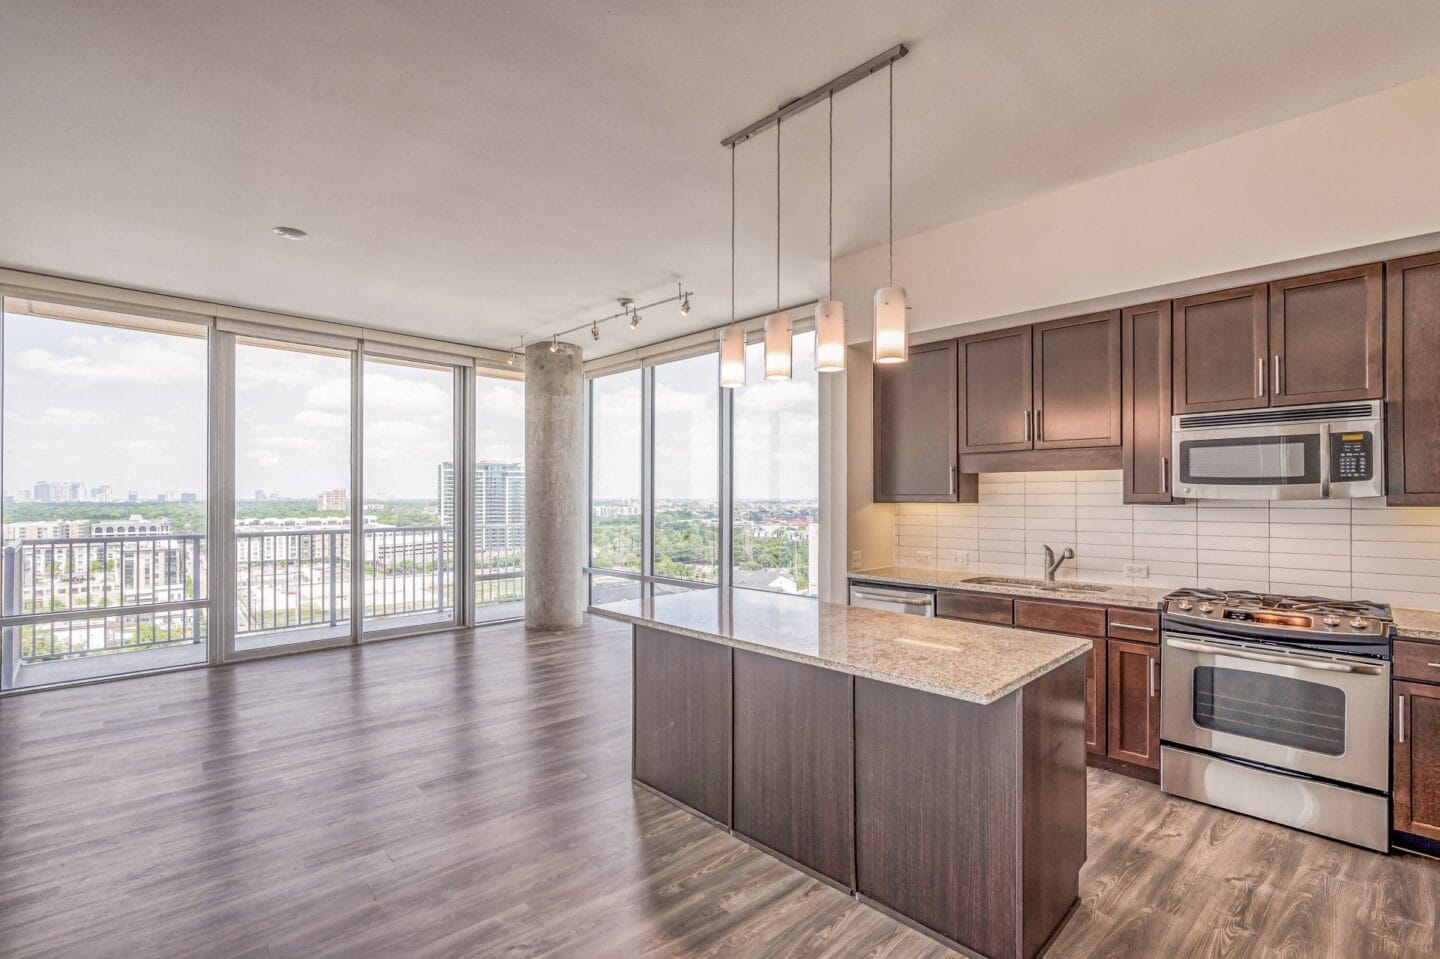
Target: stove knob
x=1332 y=620
x=1186 y=604
x=1206 y=608
x=1359 y=622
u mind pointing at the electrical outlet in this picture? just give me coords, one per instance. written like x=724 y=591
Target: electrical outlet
x=925 y=555
x=854 y=559
x=962 y=559
x=1137 y=571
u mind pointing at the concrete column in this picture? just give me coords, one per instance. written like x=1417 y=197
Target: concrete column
x=555 y=488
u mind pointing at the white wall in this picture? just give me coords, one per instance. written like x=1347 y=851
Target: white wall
x=1349 y=184
x=1336 y=548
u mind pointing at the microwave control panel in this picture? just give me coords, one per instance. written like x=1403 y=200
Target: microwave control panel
x=1352 y=457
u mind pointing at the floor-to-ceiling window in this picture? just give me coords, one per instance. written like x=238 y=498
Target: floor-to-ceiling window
x=777 y=475
x=292 y=493
x=499 y=508
x=616 y=523
x=409 y=510
x=105 y=476
x=686 y=505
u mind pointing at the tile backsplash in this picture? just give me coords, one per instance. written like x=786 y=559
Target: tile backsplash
x=1336 y=548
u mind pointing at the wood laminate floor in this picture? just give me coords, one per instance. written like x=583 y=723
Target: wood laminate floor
x=468 y=795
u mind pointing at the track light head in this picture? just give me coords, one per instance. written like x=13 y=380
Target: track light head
x=594 y=330
x=685 y=304
x=555 y=343
x=510 y=360
x=634 y=319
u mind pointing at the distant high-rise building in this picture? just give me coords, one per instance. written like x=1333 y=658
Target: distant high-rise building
x=499 y=503
x=259 y=494
x=274 y=497
x=133 y=496
x=23 y=495
x=331 y=501
x=101 y=494
x=74 y=492
x=189 y=497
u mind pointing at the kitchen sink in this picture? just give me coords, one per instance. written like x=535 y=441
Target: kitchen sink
x=1051 y=586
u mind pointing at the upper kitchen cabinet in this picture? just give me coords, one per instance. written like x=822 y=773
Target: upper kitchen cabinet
x=917 y=412
x=1077 y=382
x=1146 y=402
x=1220 y=350
x=996 y=389
x=1412 y=417
x=1327 y=337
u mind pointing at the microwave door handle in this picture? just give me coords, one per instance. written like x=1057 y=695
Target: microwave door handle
x=1325 y=461
x=1327 y=665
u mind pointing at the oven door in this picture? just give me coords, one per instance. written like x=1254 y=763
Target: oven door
x=1276 y=461
x=1325 y=716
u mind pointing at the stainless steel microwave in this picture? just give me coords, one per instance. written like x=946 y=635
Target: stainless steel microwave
x=1292 y=453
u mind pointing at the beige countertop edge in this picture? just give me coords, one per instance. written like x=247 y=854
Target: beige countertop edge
x=1422 y=624
x=910 y=682
x=940 y=579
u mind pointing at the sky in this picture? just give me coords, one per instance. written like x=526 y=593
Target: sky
x=108 y=406
x=776 y=430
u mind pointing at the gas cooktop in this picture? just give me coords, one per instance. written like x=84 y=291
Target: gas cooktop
x=1312 y=622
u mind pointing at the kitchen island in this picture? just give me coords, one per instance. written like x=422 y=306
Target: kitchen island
x=934 y=769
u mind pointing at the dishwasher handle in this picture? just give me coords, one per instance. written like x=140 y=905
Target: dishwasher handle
x=908 y=599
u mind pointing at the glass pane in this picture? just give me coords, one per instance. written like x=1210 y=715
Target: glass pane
x=615 y=471
x=1273 y=709
x=292 y=494
x=409 y=504
x=777 y=475
x=687 y=469
x=105 y=476
x=499 y=498
x=612 y=589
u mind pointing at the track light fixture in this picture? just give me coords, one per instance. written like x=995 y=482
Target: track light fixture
x=684 y=300
x=555 y=343
x=634 y=318
x=594 y=330
x=628 y=311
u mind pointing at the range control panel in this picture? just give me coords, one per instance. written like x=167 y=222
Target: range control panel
x=1352 y=456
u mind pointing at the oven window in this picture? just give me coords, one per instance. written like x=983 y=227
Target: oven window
x=1272 y=709
x=1252 y=460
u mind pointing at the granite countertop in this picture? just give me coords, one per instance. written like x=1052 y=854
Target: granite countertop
x=1135 y=597
x=1417 y=623
x=969 y=661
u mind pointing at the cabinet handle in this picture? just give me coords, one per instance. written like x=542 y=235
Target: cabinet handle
x=1164 y=474
x=1138 y=629
x=953 y=479
x=1277 y=384
x=1153 y=664
x=1400 y=718
x=1259 y=376
x=1039 y=426
x=1027 y=426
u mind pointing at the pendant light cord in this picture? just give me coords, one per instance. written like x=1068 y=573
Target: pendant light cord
x=891 y=71
x=777 y=216
x=830 y=207
x=732 y=235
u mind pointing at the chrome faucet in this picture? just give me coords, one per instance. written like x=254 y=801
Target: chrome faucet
x=1052 y=564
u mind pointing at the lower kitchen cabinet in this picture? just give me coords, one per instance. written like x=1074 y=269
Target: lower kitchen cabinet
x=683 y=720
x=1095 y=694
x=1133 y=703
x=794 y=781
x=1417 y=759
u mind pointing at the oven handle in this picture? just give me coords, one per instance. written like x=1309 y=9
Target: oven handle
x=1327 y=665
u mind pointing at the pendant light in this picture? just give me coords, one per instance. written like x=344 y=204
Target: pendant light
x=779 y=358
x=732 y=341
x=830 y=313
x=890 y=341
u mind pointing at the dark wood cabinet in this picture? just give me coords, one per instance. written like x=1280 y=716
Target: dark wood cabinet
x=794 y=784
x=1077 y=382
x=916 y=407
x=1417 y=759
x=1095 y=695
x=1074 y=619
x=1412 y=415
x=1220 y=344
x=1135 y=625
x=682 y=734
x=1327 y=337
x=1133 y=703
x=995 y=391
x=1146 y=402
x=975 y=607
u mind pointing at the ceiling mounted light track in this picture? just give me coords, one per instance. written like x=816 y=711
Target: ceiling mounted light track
x=628 y=311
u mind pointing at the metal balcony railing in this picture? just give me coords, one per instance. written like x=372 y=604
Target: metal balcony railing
x=65 y=598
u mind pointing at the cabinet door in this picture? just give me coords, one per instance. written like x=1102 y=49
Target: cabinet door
x=794 y=782
x=916 y=416
x=1412 y=414
x=1327 y=337
x=1077 y=382
x=1220 y=351
x=1133 y=703
x=1146 y=402
x=1095 y=695
x=995 y=393
x=1417 y=759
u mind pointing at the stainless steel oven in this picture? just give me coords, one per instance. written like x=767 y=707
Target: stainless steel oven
x=1290 y=453
x=1279 y=707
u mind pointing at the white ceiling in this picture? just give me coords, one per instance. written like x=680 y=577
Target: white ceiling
x=479 y=171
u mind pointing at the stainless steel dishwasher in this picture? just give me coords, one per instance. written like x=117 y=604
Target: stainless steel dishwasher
x=894 y=599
